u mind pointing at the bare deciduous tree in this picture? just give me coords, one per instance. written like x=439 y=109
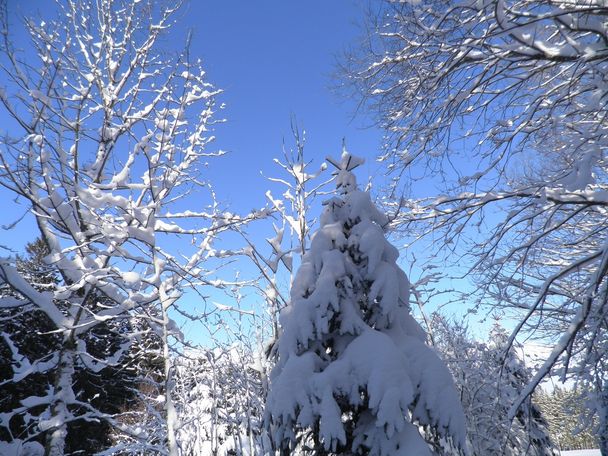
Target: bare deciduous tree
x=506 y=101
x=487 y=386
x=292 y=232
x=107 y=141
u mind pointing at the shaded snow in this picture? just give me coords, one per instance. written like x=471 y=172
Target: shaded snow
x=581 y=453
x=21 y=448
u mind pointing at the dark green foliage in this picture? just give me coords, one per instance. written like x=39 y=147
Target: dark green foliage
x=111 y=390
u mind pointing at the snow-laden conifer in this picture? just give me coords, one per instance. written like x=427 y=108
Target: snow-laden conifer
x=354 y=374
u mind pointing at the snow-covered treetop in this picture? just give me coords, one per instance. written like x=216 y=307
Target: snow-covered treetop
x=354 y=373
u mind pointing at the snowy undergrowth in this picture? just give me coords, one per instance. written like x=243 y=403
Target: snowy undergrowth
x=581 y=453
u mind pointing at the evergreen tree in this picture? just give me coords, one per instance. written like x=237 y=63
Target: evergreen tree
x=563 y=409
x=353 y=374
x=25 y=337
x=29 y=335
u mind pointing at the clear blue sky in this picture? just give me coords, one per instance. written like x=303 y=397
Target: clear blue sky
x=274 y=60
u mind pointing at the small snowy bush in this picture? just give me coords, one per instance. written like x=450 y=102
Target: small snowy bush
x=489 y=381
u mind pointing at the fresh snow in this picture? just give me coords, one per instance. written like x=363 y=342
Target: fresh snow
x=352 y=361
x=21 y=448
x=581 y=453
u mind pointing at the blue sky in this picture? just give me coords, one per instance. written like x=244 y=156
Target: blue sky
x=274 y=61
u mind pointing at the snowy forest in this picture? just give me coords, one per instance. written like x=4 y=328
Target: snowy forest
x=444 y=294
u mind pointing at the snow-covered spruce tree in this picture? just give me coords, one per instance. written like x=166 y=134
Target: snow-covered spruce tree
x=354 y=375
x=28 y=340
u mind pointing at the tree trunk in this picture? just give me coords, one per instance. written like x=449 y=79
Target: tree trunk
x=170 y=412
x=56 y=425
x=603 y=420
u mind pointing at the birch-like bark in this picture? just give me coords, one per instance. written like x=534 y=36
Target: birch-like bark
x=57 y=424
